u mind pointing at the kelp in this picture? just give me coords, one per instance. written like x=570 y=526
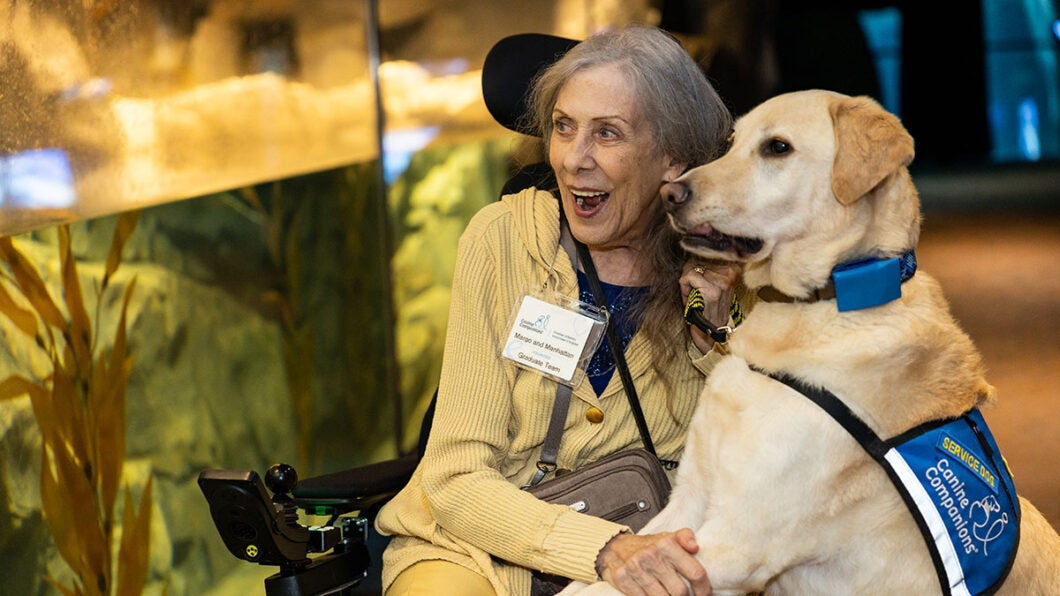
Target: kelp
x=80 y=410
x=281 y=239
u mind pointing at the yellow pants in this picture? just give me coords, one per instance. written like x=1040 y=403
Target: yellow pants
x=430 y=578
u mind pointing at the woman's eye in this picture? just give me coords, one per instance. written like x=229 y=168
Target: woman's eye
x=608 y=134
x=560 y=126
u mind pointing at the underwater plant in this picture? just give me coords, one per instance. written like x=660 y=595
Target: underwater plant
x=281 y=240
x=80 y=410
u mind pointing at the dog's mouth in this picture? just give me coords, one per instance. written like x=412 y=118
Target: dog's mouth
x=705 y=236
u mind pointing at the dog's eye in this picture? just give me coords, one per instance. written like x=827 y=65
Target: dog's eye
x=776 y=147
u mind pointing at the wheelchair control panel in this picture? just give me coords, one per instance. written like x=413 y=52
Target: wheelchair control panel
x=264 y=529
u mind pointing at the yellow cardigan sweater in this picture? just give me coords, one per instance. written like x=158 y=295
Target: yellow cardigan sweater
x=463 y=504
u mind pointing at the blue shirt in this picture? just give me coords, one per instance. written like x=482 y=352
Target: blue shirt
x=620 y=300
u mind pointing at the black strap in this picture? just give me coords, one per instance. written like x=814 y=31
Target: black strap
x=865 y=436
x=694 y=316
x=616 y=347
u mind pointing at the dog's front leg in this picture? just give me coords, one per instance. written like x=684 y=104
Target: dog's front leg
x=599 y=588
x=685 y=509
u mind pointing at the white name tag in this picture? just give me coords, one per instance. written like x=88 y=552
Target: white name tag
x=555 y=336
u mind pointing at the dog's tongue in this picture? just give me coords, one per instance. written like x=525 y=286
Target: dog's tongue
x=714 y=238
x=702 y=230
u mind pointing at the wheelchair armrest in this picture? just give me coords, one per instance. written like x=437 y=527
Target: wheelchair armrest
x=253 y=526
x=357 y=488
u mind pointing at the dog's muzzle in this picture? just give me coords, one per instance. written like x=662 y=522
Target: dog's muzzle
x=675 y=196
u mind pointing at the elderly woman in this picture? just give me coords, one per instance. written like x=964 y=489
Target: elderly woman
x=622 y=113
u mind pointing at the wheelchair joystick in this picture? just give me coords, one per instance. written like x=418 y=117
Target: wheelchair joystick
x=281 y=479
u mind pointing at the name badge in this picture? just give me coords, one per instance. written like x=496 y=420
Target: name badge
x=555 y=335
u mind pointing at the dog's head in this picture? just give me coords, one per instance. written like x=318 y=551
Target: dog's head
x=811 y=179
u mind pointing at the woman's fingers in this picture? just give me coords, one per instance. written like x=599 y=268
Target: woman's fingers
x=711 y=278
x=716 y=282
x=656 y=564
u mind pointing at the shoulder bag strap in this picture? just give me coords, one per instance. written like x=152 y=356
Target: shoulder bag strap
x=616 y=347
x=550 y=449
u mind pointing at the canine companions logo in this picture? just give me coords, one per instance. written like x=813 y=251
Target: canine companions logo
x=984 y=528
x=540 y=324
x=952 y=496
x=964 y=495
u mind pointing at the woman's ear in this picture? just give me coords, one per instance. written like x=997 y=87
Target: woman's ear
x=673 y=170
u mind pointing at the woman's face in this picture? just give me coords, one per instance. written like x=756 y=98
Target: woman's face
x=604 y=156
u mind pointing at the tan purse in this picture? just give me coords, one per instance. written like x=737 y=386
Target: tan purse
x=629 y=488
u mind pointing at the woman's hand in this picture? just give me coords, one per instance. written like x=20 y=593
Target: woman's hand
x=716 y=281
x=654 y=564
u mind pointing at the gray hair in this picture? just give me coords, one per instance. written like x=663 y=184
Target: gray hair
x=688 y=119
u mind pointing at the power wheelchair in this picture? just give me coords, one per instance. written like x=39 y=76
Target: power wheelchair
x=259 y=519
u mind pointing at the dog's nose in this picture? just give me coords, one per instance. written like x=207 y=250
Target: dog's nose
x=674 y=195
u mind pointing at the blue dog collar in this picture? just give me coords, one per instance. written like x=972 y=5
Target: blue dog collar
x=858 y=284
x=871 y=282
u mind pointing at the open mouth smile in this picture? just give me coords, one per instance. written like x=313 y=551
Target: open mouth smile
x=589 y=200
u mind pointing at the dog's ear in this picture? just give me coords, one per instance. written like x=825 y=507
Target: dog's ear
x=871 y=144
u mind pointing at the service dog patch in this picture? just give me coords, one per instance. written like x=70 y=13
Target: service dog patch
x=962 y=489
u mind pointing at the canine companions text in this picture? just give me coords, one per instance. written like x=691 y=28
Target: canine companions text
x=795 y=477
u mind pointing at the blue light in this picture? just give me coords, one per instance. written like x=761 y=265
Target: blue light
x=36 y=179
x=1030 y=143
x=400 y=145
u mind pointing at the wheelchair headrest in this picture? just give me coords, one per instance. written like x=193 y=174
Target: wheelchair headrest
x=510 y=66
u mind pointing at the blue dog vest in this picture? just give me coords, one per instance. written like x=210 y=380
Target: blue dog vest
x=955 y=483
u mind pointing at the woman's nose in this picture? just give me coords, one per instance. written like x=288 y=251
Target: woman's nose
x=579 y=154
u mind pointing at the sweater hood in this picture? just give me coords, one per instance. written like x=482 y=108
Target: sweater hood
x=536 y=223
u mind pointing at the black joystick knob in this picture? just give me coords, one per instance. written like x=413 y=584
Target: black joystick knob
x=281 y=478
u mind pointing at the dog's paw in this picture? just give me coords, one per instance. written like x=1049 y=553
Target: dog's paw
x=572 y=588
x=599 y=588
